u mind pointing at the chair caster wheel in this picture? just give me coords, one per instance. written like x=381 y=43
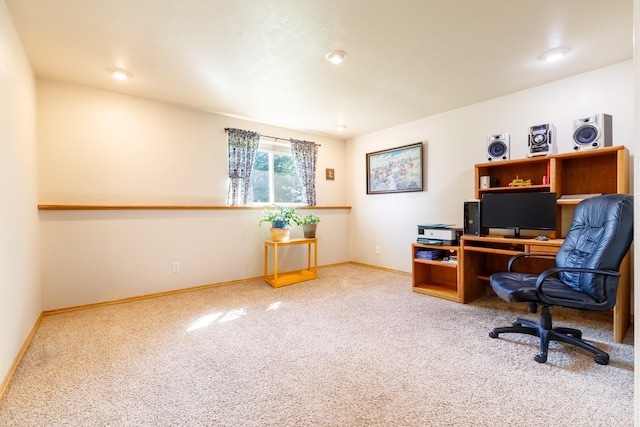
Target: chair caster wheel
x=602 y=360
x=540 y=358
x=493 y=334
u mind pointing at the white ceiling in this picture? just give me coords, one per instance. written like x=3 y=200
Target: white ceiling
x=263 y=60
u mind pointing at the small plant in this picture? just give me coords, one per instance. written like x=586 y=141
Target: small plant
x=281 y=217
x=310 y=219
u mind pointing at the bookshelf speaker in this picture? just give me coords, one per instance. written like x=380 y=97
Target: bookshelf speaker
x=592 y=132
x=498 y=147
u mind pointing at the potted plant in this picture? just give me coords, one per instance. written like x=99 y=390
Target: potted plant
x=282 y=219
x=309 y=225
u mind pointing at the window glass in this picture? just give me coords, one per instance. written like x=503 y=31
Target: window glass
x=260 y=178
x=286 y=184
x=275 y=177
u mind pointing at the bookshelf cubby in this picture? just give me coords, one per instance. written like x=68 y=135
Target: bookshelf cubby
x=436 y=277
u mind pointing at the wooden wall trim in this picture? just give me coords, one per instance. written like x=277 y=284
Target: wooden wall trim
x=7 y=379
x=49 y=207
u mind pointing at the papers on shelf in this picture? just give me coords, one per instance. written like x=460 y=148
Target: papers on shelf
x=572 y=197
x=426 y=241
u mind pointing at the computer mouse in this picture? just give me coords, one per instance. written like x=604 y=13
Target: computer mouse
x=542 y=238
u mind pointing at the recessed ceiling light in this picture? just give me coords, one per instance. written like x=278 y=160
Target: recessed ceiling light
x=554 y=54
x=341 y=128
x=335 y=57
x=119 y=74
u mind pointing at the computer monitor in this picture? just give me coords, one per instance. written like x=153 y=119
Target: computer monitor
x=519 y=211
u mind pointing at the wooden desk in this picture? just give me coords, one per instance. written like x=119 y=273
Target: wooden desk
x=482 y=256
x=288 y=278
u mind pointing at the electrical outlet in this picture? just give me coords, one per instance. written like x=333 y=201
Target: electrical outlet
x=377 y=250
x=176 y=267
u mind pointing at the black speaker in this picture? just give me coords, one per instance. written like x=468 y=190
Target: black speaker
x=542 y=140
x=472 y=219
x=498 y=147
x=592 y=132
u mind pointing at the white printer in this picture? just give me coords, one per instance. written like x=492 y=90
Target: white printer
x=439 y=234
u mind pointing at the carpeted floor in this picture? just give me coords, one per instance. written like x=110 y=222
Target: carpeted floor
x=355 y=347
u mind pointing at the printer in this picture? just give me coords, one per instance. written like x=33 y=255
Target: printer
x=439 y=234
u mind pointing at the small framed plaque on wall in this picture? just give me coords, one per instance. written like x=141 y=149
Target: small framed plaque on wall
x=329 y=174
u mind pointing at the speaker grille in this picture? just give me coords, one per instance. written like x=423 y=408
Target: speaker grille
x=497 y=149
x=585 y=135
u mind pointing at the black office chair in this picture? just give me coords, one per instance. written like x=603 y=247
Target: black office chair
x=585 y=275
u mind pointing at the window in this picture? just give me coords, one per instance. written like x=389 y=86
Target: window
x=275 y=178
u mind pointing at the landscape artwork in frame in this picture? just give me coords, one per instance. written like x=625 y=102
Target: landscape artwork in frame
x=395 y=170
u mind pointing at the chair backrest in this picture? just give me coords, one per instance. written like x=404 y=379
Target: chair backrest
x=599 y=237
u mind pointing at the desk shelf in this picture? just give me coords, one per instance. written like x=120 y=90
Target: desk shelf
x=435 y=290
x=437 y=262
x=435 y=277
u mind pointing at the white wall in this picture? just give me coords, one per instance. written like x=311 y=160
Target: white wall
x=20 y=299
x=456 y=140
x=96 y=256
x=98 y=147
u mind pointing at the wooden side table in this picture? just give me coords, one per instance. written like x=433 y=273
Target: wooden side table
x=288 y=278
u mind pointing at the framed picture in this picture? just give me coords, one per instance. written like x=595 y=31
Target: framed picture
x=395 y=170
x=329 y=174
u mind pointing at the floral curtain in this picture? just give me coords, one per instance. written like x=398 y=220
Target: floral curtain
x=305 y=155
x=243 y=146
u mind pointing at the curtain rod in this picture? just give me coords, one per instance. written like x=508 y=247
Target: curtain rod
x=275 y=138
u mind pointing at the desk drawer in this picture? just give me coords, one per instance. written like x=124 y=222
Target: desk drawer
x=544 y=249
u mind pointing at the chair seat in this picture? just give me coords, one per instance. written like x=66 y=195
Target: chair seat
x=521 y=287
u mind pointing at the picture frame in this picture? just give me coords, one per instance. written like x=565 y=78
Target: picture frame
x=329 y=174
x=395 y=170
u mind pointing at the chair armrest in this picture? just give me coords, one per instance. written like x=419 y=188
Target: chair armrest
x=515 y=258
x=549 y=300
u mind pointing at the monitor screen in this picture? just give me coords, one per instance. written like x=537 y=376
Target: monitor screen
x=524 y=210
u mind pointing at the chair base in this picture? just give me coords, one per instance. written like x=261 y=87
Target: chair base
x=546 y=335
